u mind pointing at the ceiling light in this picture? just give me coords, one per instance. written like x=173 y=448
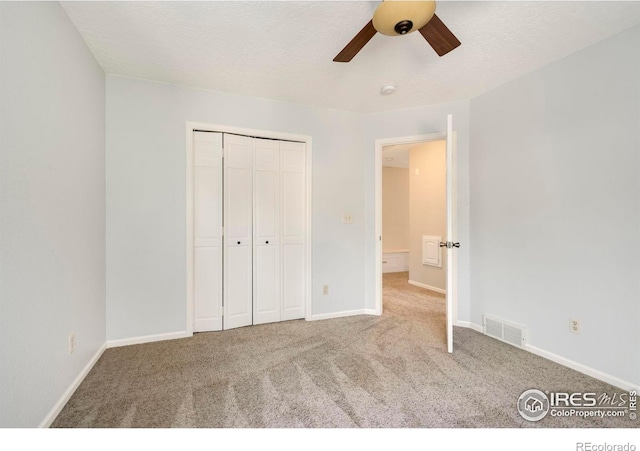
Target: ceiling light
x=388 y=89
x=399 y=17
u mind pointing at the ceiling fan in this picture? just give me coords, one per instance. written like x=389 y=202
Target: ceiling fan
x=400 y=17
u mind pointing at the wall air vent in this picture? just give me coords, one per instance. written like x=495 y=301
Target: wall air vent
x=506 y=331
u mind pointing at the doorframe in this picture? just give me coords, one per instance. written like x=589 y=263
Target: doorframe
x=254 y=133
x=414 y=139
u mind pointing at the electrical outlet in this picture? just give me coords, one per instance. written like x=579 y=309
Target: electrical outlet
x=325 y=289
x=347 y=219
x=72 y=342
x=575 y=326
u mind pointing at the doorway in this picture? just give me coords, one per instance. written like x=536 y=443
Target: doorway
x=414 y=213
x=448 y=241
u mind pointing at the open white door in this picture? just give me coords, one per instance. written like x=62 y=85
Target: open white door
x=451 y=242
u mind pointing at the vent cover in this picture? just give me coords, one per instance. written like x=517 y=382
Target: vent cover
x=506 y=331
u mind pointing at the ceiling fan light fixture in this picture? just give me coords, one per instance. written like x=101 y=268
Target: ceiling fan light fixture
x=400 y=17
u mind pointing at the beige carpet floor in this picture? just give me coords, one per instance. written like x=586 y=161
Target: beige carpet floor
x=363 y=371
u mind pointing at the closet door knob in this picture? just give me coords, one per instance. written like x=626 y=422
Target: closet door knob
x=238 y=242
x=267 y=242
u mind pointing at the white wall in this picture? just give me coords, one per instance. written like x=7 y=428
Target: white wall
x=52 y=208
x=555 y=195
x=428 y=205
x=146 y=280
x=409 y=122
x=395 y=208
x=146 y=195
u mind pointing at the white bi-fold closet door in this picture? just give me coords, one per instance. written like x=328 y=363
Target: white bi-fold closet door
x=249 y=228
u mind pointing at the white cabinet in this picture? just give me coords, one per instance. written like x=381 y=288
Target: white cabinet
x=396 y=260
x=249 y=231
x=431 y=250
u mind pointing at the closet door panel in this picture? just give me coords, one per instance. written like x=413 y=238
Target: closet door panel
x=293 y=263
x=266 y=201
x=267 y=286
x=292 y=156
x=293 y=224
x=293 y=230
x=238 y=239
x=238 y=201
x=207 y=202
x=207 y=192
x=207 y=149
x=238 y=150
x=267 y=295
x=208 y=288
x=238 y=286
x=267 y=154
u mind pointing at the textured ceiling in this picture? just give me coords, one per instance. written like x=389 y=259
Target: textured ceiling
x=284 y=50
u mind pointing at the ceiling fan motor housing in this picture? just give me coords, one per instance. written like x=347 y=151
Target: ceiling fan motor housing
x=400 y=17
x=403 y=27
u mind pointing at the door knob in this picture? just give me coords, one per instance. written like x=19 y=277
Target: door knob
x=238 y=242
x=456 y=244
x=443 y=244
x=266 y=242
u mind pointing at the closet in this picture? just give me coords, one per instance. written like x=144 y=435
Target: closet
x=249 y=223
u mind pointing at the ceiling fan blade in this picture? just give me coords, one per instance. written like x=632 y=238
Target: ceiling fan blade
x=439 y=36
x=356 y=44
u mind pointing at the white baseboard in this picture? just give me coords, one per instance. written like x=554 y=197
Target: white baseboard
x=609 y=379
x=584 y=369
x=51 y=416
x=428 y=287
x=371 y=311
x=147 y=339
x=470 y=325
x=341 y=314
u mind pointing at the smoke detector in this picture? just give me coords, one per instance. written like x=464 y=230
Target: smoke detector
x=388 y=89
